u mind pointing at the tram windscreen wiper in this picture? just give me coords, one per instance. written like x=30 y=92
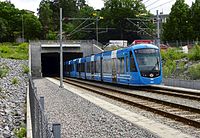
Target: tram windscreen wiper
x=156 y=65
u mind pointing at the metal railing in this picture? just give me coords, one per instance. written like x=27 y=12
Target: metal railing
x=40 y=125
x=192 y=84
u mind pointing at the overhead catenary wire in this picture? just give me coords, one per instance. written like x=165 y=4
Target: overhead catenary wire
x=78 y=26
x=146 y=1
x=161 y=5
x=81 y=29
x=152 y=3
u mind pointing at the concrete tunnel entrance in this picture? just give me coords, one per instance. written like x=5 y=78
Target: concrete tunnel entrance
x=51 y=62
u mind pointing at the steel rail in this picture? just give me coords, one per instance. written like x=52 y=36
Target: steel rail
x=144 y=102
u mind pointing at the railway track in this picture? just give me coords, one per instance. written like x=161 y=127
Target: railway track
x=174 y=93
x=178 y=112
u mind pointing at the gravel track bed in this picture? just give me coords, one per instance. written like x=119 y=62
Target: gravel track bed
x=12 y=97
x=195 y=132
x=182 y=101
x=80 y=118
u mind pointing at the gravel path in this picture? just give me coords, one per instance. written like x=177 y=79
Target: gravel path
x=12 y=97
x=80 y=118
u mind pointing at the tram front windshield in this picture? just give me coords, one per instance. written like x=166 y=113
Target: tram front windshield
x=148 y=60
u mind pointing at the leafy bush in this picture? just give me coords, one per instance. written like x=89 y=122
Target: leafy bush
x=8 y=50
x=194 y=54
x=51 y=35
x=4 y=49
x=172 y=54
x=23 y=47
x=3 y=70
x=169 y=68
x=25 y=69
x=14 y=81
x=194 y=72
x=21 y=133
x=169 y=57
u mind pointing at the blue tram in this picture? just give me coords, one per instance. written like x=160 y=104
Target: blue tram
x=137 y=65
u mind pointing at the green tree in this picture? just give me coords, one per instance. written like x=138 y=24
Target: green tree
x=45 y=16
x=3 y=29
x=81 y=3
x=76 y=28
x=178 y=26
x=32 y=26
x=69 y=7
x=11 y=20
x=194 y=18
x=115 y=14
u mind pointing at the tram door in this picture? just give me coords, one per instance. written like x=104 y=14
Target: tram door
x=126 y=67
x=114 y=71
x=133 y=74
x=114 y=66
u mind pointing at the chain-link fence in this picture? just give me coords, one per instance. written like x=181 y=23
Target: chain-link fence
x=192 y=84
x=40 y=126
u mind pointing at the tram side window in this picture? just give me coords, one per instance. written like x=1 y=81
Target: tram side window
x=77 y=67
x=98 y=66
x=95 y=68
x=72 y=68
x=67 y=68
x=92 y=67
x=126 y=64
x=132 y=63
x=118 y=65
x=88 y=67
x=107 y=66
x=81 y=67
x=121 y=65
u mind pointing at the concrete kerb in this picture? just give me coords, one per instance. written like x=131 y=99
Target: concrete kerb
x=28 y=117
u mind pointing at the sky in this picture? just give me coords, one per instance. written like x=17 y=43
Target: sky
x=151 y=5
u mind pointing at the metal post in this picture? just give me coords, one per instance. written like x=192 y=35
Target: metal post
x=97 y=36
x=42 y=102
x=22 y=29
x=56 y=130
x=158 y=29
x=61 y=52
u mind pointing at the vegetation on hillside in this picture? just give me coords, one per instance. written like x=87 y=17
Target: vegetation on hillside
x=14 y=51
x=176 y=63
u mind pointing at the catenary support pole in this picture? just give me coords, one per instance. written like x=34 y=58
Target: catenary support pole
x=56 y=130
x=42 y=102
x=158 y=29
x=61 y=51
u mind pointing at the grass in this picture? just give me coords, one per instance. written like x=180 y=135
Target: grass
x=21 y=132
x=15 y=81
x=25 y=69
x=3 y=70
x=194 y=72
x=194 y=53
x=14 y=51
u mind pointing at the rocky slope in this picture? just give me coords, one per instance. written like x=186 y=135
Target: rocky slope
x=12 y=97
